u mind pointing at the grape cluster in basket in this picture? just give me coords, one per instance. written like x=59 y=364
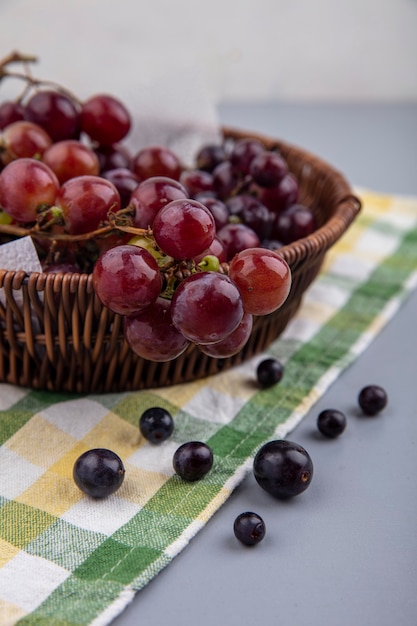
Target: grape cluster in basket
x=186 y=255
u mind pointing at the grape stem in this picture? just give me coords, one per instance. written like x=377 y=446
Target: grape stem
x=242 y=186
x=17 y=57
x=39 y=233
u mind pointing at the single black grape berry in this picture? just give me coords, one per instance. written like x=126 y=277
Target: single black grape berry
x=283 y=468
x=156 y=424
x=98 y=472
x=269 y=372
x=372 y=399
x=249 y=528
x=331 y=423
x=193 y=460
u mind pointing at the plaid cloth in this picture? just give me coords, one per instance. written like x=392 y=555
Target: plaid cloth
x=66 y=559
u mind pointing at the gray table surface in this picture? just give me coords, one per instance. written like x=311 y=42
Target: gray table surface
x=345 y=552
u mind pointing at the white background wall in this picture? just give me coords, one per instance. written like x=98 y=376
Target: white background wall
x=288 y=50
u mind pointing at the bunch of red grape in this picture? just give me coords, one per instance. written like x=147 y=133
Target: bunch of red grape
x=186 y=255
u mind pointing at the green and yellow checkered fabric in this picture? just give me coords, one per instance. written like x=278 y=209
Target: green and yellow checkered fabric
x=69 y=560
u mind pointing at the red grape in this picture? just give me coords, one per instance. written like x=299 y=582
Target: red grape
x=206 y=307
x=293 y=223
x=105 y=119
x=259 y=219
x=268 y=169
x=225 y=179
x=113 y=157
x=127 y=279
x=196 y=181
x=209 y=156
x=70 y=158
x=236 y=204
x=237 y=237
x=26 y=185
x=243 y=153
x=152 y=335
x=184 y=228
x=233 y=343
x=263 y=279
x=252 y=213
x=57 y=113
x=125 y=182
x=85 y=202
x=282 y=195
x=156 y=161
x=24 y=139
x=151 y=195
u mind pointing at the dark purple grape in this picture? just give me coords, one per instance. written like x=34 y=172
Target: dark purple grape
x=271 y=244
x=252 y=213
x=236 y=204
x=331 y=423
x=193 y=460
x=242 y=202
x=125 y=182
x=249 y=528
x=54 y=112
x=237 y=237
x=113 y=157
x=268 y=169
x=10 y=112
x=217 y=208
x=156 y=424
x=244 y=152
x=196 y=181
x=293 y=223
x=269 y=372
x=62 y=267
x=282 y=195
x=208 y=157
x=258 y=217
x=225 y=179
x=283 y=468
x=98 y=472
x=372 y=399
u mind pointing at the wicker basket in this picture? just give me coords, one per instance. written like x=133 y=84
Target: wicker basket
x=63 y=339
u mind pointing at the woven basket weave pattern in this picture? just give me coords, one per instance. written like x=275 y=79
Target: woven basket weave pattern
x=63 y=339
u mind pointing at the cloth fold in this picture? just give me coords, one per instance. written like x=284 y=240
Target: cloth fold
x=68 y=559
